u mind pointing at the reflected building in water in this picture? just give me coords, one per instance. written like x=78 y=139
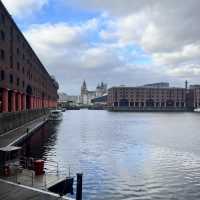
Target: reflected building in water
x=39 y=143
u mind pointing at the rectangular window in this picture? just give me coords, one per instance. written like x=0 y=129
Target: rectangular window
x=2 y=75
x=2 y=35
x=11 y=78
x=2 y=19
x=18 y=66
x=18 y=81
x=18 y=52
x=11 y=62
x=2 y=54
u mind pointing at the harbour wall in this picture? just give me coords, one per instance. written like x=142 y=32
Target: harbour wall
x=10 y=121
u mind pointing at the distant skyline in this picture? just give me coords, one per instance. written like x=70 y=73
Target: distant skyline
x=127 y=42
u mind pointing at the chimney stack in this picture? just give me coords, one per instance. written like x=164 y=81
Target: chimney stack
x=186 y=84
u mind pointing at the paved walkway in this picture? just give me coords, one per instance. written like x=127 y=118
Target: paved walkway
x=12 y=191
x=13 y=136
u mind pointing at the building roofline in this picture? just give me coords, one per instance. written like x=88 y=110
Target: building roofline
x=20 y=32
x=145 y=87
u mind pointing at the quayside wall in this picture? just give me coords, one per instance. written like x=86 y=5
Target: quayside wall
x=10 y=121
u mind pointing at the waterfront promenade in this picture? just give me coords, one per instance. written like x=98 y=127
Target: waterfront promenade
x=13 y=191
x=14 y=136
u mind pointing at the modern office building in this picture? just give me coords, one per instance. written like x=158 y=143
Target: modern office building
x=24 y=81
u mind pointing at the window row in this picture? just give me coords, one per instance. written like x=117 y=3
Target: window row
x=11 y=78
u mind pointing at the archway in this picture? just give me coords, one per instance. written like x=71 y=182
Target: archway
x=115 y=104
x=124 y=103
x=150 y=103
x=28 y=97
x=169 y=103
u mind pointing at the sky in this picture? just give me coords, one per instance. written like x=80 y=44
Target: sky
x=127 y=42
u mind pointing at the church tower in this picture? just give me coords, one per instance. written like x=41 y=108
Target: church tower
x=84 y=88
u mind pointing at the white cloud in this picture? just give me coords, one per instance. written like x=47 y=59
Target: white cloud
x=116 y=7
x=166 y=30
x=105 y=47
x=185 y=71
x=21 y=8
x=105 y=58
x=70 y=54
x=188 y=53
x=59 y=40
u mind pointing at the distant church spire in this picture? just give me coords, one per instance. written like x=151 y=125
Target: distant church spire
x=83 y=88
x=84 y=85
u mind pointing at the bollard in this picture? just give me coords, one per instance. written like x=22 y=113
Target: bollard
x=27 y=131
x=79 y=186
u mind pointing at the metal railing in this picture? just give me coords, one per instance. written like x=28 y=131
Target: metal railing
x=51 y=168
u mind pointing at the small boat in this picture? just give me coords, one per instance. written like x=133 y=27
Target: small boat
x=63 y=109
x=55 y=115
x=197 y=109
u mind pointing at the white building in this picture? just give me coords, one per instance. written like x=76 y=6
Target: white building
x=86 y=95
x=64 y=98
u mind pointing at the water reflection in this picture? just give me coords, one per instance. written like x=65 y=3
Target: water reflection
x=126 y=155
x=42 y=141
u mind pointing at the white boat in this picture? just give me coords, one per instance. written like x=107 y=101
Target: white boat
x=197 y=109
x=55 y=115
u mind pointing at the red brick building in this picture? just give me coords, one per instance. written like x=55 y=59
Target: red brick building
x=154 y=98
x=196 y=94
x=24 y=82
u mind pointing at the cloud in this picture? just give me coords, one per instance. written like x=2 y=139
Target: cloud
x=125 y=42
x=186 y=71
x=21 y=8
x=167 y=31
x=115 y=7
x=59 y=39
x=69 y=53
x=188 y=53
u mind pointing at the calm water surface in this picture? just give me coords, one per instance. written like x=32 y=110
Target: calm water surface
x=126 y=156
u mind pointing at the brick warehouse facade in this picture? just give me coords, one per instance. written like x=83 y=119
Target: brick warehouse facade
x=24 y=82
x=154 y=98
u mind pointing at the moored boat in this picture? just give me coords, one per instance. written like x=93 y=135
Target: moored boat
x=55 y=115
x=63 y=109
x=197 y=109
